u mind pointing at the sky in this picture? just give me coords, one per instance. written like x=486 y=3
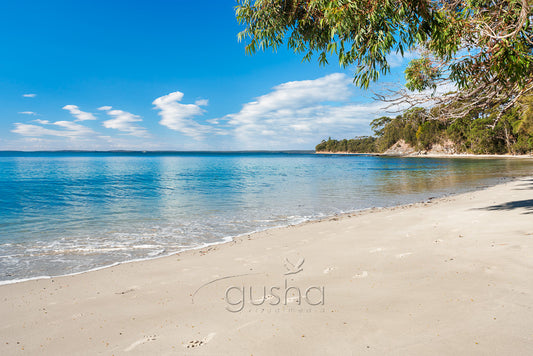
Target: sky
x=164 y=75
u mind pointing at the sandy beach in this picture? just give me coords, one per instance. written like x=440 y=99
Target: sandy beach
x=449 y=276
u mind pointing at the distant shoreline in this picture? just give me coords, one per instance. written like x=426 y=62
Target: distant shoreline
x=429 y=155
x=170 y=152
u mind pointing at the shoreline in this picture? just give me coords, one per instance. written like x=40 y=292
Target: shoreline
x=473 y=294
x=430 y=155
x=230 y=239
x=225 y=240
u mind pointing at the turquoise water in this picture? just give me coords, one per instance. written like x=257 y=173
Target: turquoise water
x=69 y=212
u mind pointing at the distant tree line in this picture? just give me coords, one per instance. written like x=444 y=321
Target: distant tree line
x=361 y=144
x=477 y=133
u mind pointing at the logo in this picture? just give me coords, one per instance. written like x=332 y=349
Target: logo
x=277 y=297
x=293 y=268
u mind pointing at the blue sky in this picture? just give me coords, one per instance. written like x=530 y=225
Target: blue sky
x=163 y=75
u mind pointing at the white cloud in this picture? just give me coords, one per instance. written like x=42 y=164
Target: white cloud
x=78 y=129
x=32 y=130
x=201 y=102
x=302 y=112
x=27 y=113
x=43 y=134
x=294 y=96
x=178 y=117
x=78 y=114
x=296 y=114
x=71 y=129
x=124 y=121
x=29 y=95
x=396 y=59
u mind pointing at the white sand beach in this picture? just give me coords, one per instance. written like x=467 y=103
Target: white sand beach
x=446 y=277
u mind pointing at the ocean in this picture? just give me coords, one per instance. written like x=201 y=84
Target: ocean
x=69 y=212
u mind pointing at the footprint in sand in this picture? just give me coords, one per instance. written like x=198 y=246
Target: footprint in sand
x=490 y=269
x=362 y=274
x=329 y=269
x=197 y=343
x=126 y=291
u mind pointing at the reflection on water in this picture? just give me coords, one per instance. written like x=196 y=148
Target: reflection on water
x=68 y=212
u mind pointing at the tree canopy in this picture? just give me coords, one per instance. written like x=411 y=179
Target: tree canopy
x=482 y=50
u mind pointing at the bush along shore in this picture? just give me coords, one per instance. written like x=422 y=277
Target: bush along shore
x=415 y=132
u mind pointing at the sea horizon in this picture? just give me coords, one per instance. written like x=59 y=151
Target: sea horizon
x=160 y=151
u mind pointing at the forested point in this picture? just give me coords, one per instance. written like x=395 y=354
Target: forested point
x=474 y=133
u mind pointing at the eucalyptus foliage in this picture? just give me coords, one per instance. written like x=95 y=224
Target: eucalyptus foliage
x=484 y=49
